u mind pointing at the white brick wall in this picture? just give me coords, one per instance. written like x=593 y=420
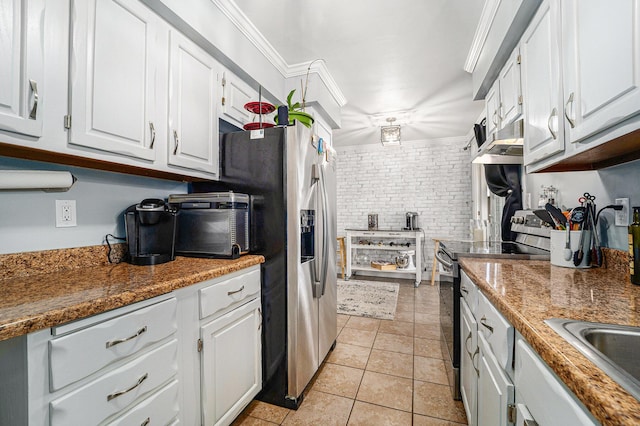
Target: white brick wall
x=432 y=178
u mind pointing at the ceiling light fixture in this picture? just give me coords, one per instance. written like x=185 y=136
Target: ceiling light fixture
x=390 y=134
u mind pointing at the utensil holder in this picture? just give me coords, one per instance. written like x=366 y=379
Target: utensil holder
x=558 y=242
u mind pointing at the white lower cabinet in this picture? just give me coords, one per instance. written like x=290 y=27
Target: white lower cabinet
x=503 y=380
x=231 y=363
x=495 y=389
x=193 y=356
x=541 y=398
x=468 y=369
x=487 y=339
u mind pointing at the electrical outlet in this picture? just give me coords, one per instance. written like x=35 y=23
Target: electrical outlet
x=622 y=216
x=65 y=213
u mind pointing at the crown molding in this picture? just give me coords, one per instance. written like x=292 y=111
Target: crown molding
x=319 y=67
x=242 y=22
x=482 y=30
x=231 y=10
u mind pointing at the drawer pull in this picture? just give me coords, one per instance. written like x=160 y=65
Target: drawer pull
x=464 y=290
x=146 y=421
x=119 y=393
x=229 y=293
x=116 y=342
x=482 y=321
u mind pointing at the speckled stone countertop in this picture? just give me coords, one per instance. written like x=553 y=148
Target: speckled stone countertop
x=528 y=292
x=44 y=289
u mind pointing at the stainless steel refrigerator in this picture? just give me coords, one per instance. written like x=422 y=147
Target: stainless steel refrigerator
x=293 y=224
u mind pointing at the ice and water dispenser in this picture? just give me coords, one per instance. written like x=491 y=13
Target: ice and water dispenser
x=307 y=232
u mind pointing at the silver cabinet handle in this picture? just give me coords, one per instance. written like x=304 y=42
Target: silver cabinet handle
x=495 y=117
x=153 y=134
x=175 y=138
x=122 y=392
x=146 y=421
x=260 y=315
x=477 y=351
x=554 y=113
x=117 y=342
x=34 y=109
x=465 y=344
x=572 y=122
x=229 y=293
x=482 y=322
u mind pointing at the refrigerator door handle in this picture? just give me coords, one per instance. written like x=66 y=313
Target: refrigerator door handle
x=318 y=261
x=325 y=232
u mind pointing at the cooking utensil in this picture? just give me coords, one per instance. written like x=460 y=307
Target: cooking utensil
x=567 y=245
x=544 y=216
x=596 y=256
x=579 y=255
x=557 y=215
x=577 y=215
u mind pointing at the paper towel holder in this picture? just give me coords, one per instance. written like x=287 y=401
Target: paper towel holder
x=44 y=180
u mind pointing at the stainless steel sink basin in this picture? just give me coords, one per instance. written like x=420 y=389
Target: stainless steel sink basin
x=613 y=348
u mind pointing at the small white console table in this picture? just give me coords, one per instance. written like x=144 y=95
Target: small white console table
x=384 y=240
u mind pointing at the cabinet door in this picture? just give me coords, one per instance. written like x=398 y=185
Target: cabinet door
x=231 y=363
x=112 y=77
x=543 y=127
x=601 y=53
x=468 y=356
x=193 y=124
x=235 y=94
x=511 y=89
x=495 y=390
x=492 y=103
x=21 y=69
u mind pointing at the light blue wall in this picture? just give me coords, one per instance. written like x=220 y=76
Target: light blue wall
x=622 y=181
x=27 y=218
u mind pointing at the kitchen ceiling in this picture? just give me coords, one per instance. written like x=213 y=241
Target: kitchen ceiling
x=386 y=57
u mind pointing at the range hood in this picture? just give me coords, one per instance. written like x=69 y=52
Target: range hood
x=505 y=148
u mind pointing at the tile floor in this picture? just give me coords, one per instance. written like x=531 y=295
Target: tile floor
x=380 y=373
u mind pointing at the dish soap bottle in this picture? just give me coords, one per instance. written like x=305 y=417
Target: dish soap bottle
x=634 y=247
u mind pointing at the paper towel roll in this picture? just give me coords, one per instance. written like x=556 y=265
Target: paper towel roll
x=36 y=179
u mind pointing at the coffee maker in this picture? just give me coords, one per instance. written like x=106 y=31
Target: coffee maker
x=412 y=221
x=151 y=231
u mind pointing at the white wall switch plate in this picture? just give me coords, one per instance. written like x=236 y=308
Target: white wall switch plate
x=66 y=213
x=622 y=216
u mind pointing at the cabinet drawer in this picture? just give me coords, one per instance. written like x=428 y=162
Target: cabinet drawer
x=116 y=390
x=497 y=331
x=90 y=349
x=159 y=409
x=469 y=291
x=226 y=293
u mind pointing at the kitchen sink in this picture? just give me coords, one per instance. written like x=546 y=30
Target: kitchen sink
x=613 y=348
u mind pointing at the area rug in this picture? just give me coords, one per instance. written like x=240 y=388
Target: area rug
x=372 y=299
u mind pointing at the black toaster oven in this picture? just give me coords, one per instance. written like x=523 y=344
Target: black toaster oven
x=212 y=224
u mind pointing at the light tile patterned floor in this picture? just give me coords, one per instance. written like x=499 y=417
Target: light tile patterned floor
x=380 y=373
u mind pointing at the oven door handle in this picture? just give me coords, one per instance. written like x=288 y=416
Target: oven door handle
x=446 y=263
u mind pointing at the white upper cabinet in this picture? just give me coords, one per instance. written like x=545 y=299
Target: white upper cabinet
x=193 y=96
x=540 y=48
x=235 y=94
x=113 y=69
x=21 y=66
x=601 y=64
x=492 y=104
x=511 y=89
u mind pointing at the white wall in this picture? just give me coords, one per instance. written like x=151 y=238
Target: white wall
x=28 y=217
x=432 y=178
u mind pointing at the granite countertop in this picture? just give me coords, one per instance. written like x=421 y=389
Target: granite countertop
x=44 y=289
x=528 y=292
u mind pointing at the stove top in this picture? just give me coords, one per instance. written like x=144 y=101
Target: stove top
x=493 y=249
